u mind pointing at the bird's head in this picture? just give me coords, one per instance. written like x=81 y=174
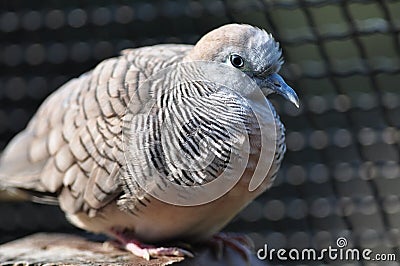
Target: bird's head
x=249 y=49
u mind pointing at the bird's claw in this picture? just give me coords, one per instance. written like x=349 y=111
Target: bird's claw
x=157 y=252
x=148 y=251
x=241 y=243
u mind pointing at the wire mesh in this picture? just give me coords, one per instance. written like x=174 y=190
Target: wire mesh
x=341 y=172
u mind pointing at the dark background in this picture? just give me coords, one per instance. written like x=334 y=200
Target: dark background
x=340 y=176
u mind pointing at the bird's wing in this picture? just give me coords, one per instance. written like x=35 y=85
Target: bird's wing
x=72 y=147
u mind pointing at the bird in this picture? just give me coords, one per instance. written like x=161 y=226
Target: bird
x=73 y=151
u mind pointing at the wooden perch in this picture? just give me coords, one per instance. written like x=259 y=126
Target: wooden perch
x=71 y=250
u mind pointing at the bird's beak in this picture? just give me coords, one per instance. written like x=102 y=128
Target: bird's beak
x=275 y=83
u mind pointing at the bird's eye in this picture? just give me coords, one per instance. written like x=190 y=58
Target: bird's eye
x=237 y=60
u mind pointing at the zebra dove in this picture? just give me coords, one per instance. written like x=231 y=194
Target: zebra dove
x=73 y=151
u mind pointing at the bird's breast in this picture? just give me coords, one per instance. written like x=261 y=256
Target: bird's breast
x=155 y=221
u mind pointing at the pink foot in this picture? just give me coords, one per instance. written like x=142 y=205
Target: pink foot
x=156 y=252
x=240 y=243
x=148 y=251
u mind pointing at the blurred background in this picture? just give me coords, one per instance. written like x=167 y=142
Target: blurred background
x=341 y=174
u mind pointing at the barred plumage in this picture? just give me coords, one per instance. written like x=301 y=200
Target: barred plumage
x=73 y=148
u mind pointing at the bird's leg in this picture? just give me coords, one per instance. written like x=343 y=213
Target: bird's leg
x=239 y=242
x=147 y=251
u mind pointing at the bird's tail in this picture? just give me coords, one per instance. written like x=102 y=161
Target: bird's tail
x=8 y=191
